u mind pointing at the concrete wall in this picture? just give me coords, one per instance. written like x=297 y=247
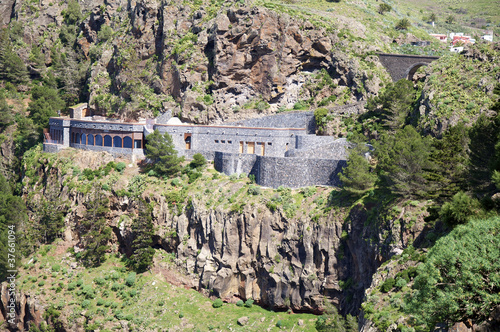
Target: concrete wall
x=108 y=126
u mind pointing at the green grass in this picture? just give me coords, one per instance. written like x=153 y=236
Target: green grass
x=149 y=303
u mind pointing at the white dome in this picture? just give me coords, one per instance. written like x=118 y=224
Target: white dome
x=174 y=121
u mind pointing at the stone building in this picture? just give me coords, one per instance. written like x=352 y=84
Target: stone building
x=279 y=150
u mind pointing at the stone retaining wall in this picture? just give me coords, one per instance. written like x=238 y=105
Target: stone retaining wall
x=281 y=171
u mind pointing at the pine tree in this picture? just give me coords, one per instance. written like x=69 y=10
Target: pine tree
x=95 y=233
x=161 y=152
x=449 y=158
x=358 y=176
x=13 y=213
x=393 y=106
x=403 y=160
x=12 y=68
x=6 y=117
x=142 y=228
x=484 y=136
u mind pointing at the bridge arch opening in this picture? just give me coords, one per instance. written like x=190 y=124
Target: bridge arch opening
x=413 y=69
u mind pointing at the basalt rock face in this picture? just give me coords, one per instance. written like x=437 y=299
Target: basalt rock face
x=24 y=312
x=280 y=263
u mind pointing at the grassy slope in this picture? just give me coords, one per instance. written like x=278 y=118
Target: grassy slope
x=477 y=14
x=149 y=304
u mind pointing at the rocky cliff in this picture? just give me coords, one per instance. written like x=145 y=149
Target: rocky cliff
x=295 y=250
x=207 y=61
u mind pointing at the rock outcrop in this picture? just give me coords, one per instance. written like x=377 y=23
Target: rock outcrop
x=26 y=310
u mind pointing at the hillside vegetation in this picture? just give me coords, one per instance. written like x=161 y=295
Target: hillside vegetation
x=408 y=243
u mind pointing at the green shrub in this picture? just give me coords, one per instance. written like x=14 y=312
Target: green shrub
x=116 y=287
x=132 y=293
x=120 y=166
x=254 y=190
x=79 y=282
x=41 y=283
x=88 y=291
x=217 y=303
x=262 y=105
x=198 y=161
x=130 y=281
x=88 y=174
x=85 y=304
x=400 y=283
x=56 y=268
x=99 y=281
x=388 y=285
x=240 y=303
x=403 y=24
x=279 y=324
x=71 y=286
x=100 y=302
x=272 y=206
x=175 y=182
x=301 y=105
x=459 y=209
x=181 y=315
x=249 y=303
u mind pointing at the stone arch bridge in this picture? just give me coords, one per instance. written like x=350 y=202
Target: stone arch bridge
x=402 y=66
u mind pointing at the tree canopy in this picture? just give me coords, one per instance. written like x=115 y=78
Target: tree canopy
x=403 y=159
x=461 y=276
x=358 y=176
x=161 y=152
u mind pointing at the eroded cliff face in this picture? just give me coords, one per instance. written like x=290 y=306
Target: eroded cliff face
x=208 y=62
x=280 y=260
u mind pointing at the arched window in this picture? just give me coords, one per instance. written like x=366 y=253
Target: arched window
x=98 y=140
x=117 y=142
x=127 y=142
x=91 y=139
x=77 y=138
x=108 y=141
x=84 y=139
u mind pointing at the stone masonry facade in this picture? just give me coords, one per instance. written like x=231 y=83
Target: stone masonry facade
x=286 y=154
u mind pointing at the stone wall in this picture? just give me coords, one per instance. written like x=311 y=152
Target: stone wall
x=282 y=120
x=281 y=171
x=52 y=148
x=299 y=172
x=275 y=142
x=320 y=147
x=235 y=163
x=399 y=65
